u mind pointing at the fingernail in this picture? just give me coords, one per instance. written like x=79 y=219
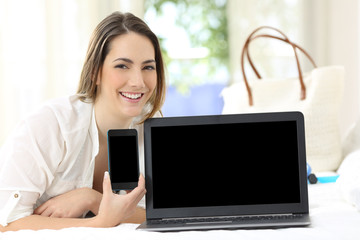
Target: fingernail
x=106 y=175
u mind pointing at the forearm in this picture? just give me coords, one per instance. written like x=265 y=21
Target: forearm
x=37 y=222
x=95 y=202
x=72 y=204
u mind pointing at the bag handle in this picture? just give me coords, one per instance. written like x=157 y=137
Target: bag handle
x=275 y=37
x=285 y=39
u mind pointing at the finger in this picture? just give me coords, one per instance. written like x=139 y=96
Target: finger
x=39 y=210
x=142 y=183
x=133 y=200
x=141 y=195
x=46 y=213
x=107 y=190
x=138 y=193
x=55 y=215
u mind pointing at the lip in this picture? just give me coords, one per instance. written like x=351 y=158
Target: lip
x=133 y=97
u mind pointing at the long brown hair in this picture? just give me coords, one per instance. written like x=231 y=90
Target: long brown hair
x=112 y=26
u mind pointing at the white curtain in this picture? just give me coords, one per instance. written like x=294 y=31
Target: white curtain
x=42 y=47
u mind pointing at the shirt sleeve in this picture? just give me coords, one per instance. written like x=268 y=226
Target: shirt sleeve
x=28 y=161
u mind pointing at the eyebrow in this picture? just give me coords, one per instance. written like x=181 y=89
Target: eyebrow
x=130 y=61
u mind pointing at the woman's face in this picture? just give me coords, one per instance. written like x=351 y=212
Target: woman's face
x=128 y=76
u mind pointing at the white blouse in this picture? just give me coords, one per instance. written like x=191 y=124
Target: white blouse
x=52 y=152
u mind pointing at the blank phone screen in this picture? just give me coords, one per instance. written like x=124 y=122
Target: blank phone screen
x=123 y=159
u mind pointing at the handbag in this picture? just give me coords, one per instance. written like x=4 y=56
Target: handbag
x=316 y=94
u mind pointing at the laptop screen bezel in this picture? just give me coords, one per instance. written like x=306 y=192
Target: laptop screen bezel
x=258 y=209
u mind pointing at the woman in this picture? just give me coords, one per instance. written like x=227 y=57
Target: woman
x=53 y=169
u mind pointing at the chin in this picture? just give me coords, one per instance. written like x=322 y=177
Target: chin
x=135 y=111
x=132 y=113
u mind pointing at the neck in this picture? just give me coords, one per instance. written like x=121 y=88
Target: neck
x=106 y=120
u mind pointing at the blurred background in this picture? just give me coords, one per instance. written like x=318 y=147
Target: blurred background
x=43 y=45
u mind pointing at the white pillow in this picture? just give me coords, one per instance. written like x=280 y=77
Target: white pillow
x=351 y=141
x=349 y=180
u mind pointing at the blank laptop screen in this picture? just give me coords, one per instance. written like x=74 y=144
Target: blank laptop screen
x=225 y=164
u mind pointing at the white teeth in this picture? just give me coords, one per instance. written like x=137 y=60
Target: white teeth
x=131 y=95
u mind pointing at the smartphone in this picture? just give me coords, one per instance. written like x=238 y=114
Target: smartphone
x=123 y=157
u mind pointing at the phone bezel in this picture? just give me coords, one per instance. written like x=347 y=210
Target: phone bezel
x=116 y=186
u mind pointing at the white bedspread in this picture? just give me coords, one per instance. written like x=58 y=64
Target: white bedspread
x=331 y=216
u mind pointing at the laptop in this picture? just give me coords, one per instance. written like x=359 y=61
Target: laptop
x=225 y=172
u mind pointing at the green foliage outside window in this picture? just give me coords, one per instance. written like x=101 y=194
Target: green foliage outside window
x=205 y=23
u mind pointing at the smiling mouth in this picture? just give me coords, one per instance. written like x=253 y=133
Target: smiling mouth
x=132 y=96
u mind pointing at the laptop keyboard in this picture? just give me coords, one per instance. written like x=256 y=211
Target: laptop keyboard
x=226 y=219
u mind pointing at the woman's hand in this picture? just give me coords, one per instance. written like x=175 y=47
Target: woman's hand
x=72 y=204
x=115 y=208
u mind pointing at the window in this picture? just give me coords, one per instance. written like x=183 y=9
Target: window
x=194 y=41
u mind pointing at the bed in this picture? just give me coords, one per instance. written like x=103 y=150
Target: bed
x=334 y=211
x=331 y=215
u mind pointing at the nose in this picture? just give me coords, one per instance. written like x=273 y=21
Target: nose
x=137 y=79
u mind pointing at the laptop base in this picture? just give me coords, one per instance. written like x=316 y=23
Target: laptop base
x=302 y=220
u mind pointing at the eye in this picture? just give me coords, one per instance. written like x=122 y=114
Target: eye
x=149 y=67
x=121 y=66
